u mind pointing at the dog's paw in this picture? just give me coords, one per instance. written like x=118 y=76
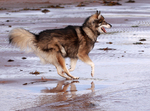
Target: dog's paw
x=75 y=78
x=68 y=78
x=92 y=74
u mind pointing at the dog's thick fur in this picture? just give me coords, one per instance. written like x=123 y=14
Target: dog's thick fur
x=52 y=46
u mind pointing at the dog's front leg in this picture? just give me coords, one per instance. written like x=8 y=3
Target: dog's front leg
x=85 y=58
x=73 y=62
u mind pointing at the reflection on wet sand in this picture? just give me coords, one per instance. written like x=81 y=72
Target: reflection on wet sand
x=92 y=87
x=61 y=87
x=65 y=97
x=61 y=90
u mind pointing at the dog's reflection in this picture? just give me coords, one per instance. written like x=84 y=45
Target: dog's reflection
x=66 y=97
x=92 y=87
x=62 y=87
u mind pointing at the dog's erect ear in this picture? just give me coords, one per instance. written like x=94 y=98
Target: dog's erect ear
x=98 y=13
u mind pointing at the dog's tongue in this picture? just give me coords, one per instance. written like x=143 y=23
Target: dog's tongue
x=103 y=29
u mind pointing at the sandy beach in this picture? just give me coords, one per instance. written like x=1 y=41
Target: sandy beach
x=121 y=57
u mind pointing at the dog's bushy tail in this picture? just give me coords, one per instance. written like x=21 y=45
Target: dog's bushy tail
x=23 y=39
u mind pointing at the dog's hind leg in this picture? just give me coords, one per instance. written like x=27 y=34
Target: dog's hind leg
x=59 y=71
x=73 y=62
x=85 y=58
x=62 y=63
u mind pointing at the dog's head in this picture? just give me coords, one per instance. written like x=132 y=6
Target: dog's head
x=97 y=22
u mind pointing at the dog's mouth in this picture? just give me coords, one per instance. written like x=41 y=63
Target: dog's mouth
x=103 y=29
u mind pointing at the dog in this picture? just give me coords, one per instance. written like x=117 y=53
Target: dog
x=54 y=45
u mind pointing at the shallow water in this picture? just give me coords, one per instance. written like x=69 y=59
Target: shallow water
x=121 y=80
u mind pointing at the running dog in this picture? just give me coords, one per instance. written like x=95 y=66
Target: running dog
x=54 y=45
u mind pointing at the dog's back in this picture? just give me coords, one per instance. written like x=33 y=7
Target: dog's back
x=55 y=39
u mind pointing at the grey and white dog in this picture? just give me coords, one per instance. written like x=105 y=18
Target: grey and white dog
x=53 y=46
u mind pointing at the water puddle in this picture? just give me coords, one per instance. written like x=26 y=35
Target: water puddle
x=62 y=86
x=53 y=85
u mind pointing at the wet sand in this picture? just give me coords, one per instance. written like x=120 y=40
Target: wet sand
x=121 y=58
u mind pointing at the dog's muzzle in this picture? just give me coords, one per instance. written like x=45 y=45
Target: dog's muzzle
x=102 y=28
